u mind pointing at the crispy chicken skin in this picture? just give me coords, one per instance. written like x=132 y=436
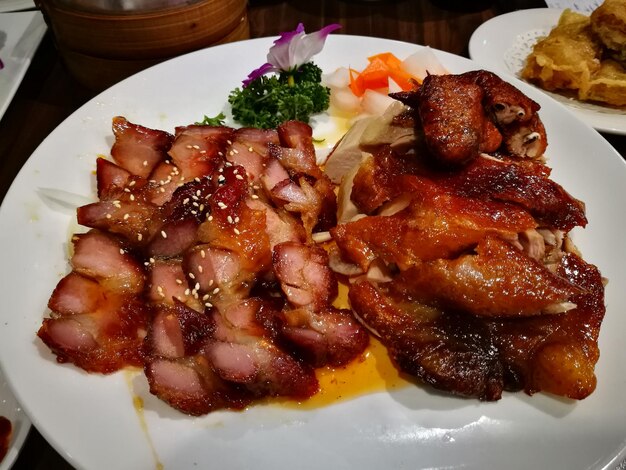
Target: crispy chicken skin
x=480 y=357
x=453 y=119
x=459 y=250
x=463 y=115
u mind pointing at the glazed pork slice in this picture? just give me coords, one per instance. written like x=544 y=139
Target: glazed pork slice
x=243 y=352
x=321 y=334
x=139 y=149
x=98 y=318
x=178 y=372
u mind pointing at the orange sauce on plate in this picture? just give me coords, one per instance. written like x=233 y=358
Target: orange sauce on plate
x=371 y=372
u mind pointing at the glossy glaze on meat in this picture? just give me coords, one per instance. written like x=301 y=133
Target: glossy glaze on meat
x=458 y=247
x=188 y=270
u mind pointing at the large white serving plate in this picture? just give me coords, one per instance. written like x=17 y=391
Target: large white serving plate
x=503 y=43
x=93 y=420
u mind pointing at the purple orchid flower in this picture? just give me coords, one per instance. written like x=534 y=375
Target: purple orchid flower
x=291 y=50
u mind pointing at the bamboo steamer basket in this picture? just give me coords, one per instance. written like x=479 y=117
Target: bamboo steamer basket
x=101 y=43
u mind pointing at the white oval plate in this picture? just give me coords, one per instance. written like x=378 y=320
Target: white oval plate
x=11 y=409
x=92 y=421
x=503 y=43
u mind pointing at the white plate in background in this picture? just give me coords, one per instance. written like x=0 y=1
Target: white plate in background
x=20 y=35
x=16 y=5
x=11 y=409
x=93 y=420
x=503 y=43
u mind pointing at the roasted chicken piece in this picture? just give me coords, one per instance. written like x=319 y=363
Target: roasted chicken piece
x=461 y=116
x=496 y=280
x=452 y=118
x=436 y=224
x=472 y=356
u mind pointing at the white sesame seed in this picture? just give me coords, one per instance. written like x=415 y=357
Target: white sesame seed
x=192 y=275
x=239 y=177
x=139 y=236
x=209 y=218
x=179 y=282
x=230 y=219
x=205 y=297
x=187 y=292
x=237 y=232
x=121 y=251
x=196 y=179
x=237 y=219
x=200 y=268
x=254 y=196
x=188 y=146
x=210 y=282
x=132 y=183
x=152 y=260
x=126 y=216
x=163 y=234
x=197 y=286
x=216 y=290
x=208 y=304
x=132 y=198
x=186 y=200
x=250 y=149
x=145 y=163
x=221 y=205
x=108 y=216
x=202 y=253
x=197 y=147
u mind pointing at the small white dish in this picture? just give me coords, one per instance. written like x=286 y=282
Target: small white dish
x=11 y=409
x=503 y=43
x=20 y=35
x=16 y=5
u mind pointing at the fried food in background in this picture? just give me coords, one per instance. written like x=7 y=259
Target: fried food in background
x=609 y=84
x=608 y=23
x=567 y=58
x=573 y=57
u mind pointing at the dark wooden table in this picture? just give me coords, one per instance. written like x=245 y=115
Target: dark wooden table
x=49 y=94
